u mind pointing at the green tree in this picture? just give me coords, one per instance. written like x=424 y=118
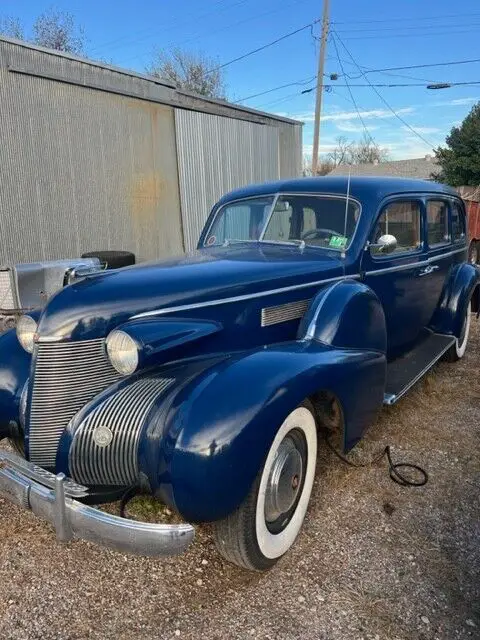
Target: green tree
x=192 y=72
x=459 y=160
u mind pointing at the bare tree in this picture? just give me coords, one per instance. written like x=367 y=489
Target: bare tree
x=367 y=151
x=12 y=28
x=193 y=72
x=57 y=30
x=342 y=153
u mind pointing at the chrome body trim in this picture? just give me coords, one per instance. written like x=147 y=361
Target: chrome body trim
x=65 y=377
x=73 y=519
x=283 y=312
x=410 y=265
x=248 y=296
x=123 y=414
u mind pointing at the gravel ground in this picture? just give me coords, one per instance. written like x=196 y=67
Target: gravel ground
x=374 y=560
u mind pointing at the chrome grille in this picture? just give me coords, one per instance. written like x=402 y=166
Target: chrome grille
x=284 y=312
x=121 y=416
x=67 y=375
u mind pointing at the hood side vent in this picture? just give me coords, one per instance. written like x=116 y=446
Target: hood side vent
x=284 y=312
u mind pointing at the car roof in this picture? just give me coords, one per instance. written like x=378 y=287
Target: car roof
x=361 y=187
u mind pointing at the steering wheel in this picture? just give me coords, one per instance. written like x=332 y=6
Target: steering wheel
x=315 y=233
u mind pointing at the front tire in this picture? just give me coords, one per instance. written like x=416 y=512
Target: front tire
x=264 y=527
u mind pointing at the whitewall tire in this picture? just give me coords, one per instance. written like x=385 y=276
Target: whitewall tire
x=269 y=520
x=457 y=350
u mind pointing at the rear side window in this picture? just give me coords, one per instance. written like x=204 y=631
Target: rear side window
x=437 y=221
x=458 y=223
x=401 y=219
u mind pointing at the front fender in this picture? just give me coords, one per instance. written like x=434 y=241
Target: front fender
x=460 y=287
x=14 y=371
x=202 y=452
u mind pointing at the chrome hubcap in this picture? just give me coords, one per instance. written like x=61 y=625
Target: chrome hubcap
x=284 y=481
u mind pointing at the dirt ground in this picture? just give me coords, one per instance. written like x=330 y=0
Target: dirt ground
x=374 y=560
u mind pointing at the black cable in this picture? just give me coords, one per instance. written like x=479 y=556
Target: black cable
x=393 y=468
x=129 y=494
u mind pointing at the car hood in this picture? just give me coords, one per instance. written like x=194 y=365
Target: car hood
x=93 y=306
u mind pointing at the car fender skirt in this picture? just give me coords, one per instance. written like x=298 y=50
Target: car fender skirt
x=461 y=288
x=217 y=431
x=346 y=314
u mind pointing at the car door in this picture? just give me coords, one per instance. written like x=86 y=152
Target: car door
x=439 y=246
x=397 y=277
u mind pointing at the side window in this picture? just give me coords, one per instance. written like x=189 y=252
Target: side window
x=437 y=222
x=458 y=223
x=401 y=219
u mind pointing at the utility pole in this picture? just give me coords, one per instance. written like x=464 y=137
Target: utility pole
x=318 y=102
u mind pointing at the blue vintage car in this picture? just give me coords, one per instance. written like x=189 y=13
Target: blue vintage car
x=204 y=380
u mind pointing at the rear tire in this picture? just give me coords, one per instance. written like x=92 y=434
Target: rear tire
x=257 y=534
x=113 y=259
x=457 y=350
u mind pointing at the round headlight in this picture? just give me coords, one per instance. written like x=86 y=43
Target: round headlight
x=26 y=328
x=122 y=351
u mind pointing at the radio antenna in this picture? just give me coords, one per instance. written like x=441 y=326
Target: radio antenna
x=346 y=204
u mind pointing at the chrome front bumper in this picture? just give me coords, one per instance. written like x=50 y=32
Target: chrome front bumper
x=53 y=498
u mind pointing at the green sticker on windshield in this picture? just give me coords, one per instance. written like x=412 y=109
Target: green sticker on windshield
x=338 y=241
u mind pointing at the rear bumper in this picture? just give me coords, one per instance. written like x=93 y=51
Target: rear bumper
x=53 y=498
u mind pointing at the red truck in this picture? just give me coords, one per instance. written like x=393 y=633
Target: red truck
x=473 y=213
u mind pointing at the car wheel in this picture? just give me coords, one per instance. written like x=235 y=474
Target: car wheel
x=473 y=252
x=264 y=527
x=457 y=350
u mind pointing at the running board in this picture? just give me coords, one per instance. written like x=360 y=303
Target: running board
x=404 y=372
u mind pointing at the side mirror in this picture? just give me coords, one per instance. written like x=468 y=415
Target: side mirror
x=385 y=244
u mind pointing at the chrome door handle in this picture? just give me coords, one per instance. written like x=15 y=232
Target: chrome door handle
x=430 y=269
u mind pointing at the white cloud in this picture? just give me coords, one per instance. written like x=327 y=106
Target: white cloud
x=455 y=102
x=367 y=114
x=352 y=127
x=339 y=116
x=423 y=129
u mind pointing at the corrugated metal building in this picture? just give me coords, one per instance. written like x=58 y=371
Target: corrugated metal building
x=94 y=157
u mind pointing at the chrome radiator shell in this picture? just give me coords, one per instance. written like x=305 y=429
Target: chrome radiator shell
x=113 y=460
x=65 y=377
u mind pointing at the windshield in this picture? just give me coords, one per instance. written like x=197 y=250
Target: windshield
x=324 y=221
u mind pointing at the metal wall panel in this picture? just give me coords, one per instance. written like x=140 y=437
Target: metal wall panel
x=215 y=155
x=88 y=157
x=82 y=169
x=290 y=150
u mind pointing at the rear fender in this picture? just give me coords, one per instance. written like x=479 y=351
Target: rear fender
x=461 y=288
x=202 y=449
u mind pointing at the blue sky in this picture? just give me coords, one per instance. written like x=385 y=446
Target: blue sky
x=377 y=33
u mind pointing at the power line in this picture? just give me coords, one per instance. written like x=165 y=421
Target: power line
x=419 y=66
x=132 y=38
x=265 y=46
x=282 y=86
x=403 y=19
x=412 y=35
x=415 y=28
x=402 y=84
x=367 y=132
x=387 y=104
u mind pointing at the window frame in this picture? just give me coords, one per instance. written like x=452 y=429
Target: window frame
x=378 y=257
x=448 y=241
x=464 y=240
